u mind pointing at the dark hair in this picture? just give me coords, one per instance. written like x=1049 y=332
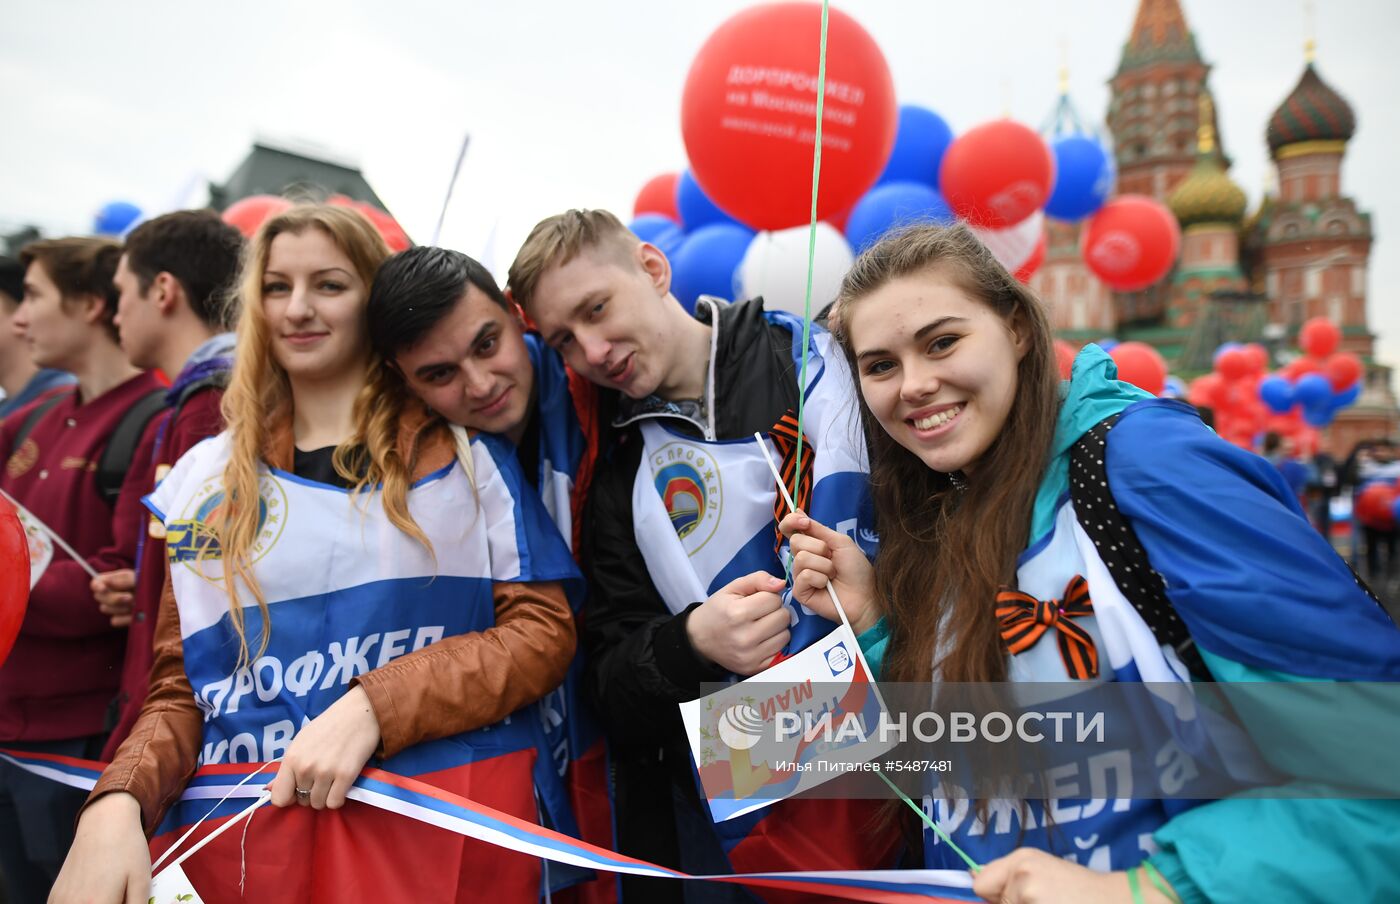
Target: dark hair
x=415 y=289
x=197 y=248
x=11 y=279
x=78 y=267
x=945 y=552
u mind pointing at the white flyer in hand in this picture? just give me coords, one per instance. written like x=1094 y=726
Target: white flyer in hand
x=791 y=727
x=40 y=545
x=172 y=886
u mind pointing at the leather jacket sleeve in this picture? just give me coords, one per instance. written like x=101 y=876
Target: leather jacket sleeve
x=457 y=684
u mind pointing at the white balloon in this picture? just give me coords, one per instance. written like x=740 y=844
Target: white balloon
x=775 y=266
x=1014 y=245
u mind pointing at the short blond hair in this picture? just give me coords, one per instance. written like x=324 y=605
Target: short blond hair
x=559 y=239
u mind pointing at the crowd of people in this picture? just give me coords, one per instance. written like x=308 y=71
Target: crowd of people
x=349 y=508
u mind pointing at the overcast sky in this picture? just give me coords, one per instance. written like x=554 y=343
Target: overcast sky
x=577 y=104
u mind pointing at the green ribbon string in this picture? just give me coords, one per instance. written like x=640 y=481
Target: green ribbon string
x=811 y=248
x=928 y=821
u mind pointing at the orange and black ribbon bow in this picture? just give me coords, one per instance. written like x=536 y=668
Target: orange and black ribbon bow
x=1024 y=619
x=784 y=437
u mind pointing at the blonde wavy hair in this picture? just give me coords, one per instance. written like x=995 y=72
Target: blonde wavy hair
x=259 y=396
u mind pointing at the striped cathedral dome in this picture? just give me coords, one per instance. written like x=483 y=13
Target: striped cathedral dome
x=1313 y=112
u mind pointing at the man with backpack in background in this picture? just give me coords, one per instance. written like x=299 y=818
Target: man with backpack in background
x=64 y=459
x=176 y=283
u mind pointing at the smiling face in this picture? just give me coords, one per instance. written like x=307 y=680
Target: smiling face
x=937 y=368
x=605 y=312
x=473 y=367
x=314 y=303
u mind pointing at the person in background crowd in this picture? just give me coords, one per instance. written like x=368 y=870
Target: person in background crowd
x=1037 y=533
x=1377 y=461
x=21 y=380
x=60 y=678
x=427 y=561
x=174 y=311
x=1279 y=453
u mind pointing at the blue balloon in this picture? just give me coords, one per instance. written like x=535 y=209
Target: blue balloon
x=895 y=204
x=919 y=144
x=1175 y=388
x=1313 y=391
x=1277 y=393
x=1084 y=176
x=650 y=226
x=115 y=218
x=706 y=262
x=1347 y=396
x=695 y=207
x=1318 y=415
x=1108 y=344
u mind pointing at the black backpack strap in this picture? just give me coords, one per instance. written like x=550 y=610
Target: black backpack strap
x=1119 y=548
x=116 y=459
x=36 y=415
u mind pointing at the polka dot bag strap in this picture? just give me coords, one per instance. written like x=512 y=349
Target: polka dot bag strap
x=1120 y=549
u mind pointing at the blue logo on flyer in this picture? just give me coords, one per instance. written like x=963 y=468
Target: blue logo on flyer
x=838 y=659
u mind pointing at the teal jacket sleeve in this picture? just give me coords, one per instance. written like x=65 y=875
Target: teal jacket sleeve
x=1268 y=846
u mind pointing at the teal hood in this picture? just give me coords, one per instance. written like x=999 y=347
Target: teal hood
x=1092 y=393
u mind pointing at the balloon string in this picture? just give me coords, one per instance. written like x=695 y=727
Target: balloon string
x=811 y=247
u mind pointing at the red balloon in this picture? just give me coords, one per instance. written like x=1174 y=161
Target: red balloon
x=1131 y=242
x=388 y=227
x=997 y=174
x=1204 y=392
x=247 y=214
x=1343 y=369
x=1032 y=264
x=1234 y=364
x=1374 y=504
x=14 y=577
x=748 y=114
x=1258 y=358
x=1141 y=365
x=658 y=196
x=1319 y=337
x=1064 y=357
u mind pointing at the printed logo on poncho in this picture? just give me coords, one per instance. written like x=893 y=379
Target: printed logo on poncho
x=687 y=479
x=192 y=539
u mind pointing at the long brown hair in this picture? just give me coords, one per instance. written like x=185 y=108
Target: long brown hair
x=259 y=396
x=945 y=552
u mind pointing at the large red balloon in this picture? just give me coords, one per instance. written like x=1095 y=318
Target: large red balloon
x=1131 y=242
x=658 y=196
x=1205 y=391
x=388 y=227
x=997 y=174
x=1319 y=337
x=748 y=114
x=1141 y=365
x=1343 y=369
x=247 y=214
x=1234 y=363
x=14 y=577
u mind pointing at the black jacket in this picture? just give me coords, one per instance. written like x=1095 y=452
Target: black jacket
x=640 y=662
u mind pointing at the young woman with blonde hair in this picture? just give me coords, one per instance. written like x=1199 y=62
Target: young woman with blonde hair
x=387 y=595
x=1033 y=531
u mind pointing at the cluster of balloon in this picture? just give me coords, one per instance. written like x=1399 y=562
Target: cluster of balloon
x=1231 y=391
x=1319 y=383
x=747 y=116
x=14 y=576
x=115 y=218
